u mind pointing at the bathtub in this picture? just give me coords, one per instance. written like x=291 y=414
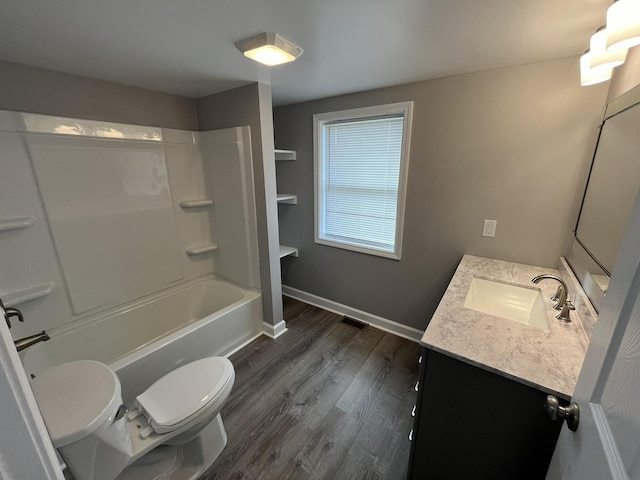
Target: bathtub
x=148 y=338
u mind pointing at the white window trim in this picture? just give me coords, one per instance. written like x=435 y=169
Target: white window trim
x=404 y=108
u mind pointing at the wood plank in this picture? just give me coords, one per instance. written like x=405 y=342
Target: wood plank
x=306 y=405
x=382 y=444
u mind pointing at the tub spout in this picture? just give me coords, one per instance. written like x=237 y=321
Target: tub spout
x=26 y=342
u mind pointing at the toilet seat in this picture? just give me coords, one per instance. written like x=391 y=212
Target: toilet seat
x=185 y=393
x=89 y=390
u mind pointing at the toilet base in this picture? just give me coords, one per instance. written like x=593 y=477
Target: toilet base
x=184 y=462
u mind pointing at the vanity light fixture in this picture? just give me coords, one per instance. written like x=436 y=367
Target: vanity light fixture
x=600 y=56
x=591 y=76
x=623 y=25
x=269 y=49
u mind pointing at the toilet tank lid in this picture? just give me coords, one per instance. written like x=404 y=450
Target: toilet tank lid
x=183 y=392
x=75 y=398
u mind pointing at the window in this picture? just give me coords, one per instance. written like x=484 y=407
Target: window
x=361 y=160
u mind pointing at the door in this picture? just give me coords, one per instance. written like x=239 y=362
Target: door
x=607 y=442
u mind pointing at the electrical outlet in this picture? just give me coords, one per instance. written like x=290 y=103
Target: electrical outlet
x=489 y=228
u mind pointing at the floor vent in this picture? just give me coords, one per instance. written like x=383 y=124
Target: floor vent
x=353 y=322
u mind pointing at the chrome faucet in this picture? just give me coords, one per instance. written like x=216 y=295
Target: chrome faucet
x=8 y=312
x=26 y=342
x=561 y=296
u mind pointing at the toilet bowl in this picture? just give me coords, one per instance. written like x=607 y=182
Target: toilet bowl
x=173 y=430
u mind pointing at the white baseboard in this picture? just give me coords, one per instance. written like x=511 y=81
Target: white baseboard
x=375 y=321
x=274 y=331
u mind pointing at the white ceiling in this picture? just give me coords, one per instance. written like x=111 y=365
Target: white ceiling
x=186 y=47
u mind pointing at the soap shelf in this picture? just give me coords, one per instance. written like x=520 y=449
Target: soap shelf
x=285 y=154
x=287 y=198
x=200 y=249
x=27 y=294
x=16 y=223
x=288 y=251
x=196 y=203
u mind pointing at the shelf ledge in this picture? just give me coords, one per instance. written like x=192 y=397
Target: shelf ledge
x=288 y=251
x=285 y=154
x=200 y=249
x=196 y=203
x=16 y=223
x=287 y=198
x=27 y=294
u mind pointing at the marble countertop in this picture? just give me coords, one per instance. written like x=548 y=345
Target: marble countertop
x=547 y=360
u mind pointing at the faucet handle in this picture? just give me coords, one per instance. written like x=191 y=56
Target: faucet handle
x=12 y=312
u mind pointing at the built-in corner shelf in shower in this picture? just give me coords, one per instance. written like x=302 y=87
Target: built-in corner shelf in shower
x=196 y=203
x=27 y=294
x=17 y=223
x=287 y=198
x=288 y=251
x=201 y=249
x=285 y=154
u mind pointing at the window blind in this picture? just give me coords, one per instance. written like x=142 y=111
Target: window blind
x=360 y=181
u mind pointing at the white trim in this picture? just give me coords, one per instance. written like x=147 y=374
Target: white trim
x=608 y=441
x=404 y=108
x=375 y=321
x=274 y=331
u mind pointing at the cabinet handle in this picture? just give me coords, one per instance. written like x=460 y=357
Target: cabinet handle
x=416 y=387
x=413 y=412
x=411 y=435
x=420 y=359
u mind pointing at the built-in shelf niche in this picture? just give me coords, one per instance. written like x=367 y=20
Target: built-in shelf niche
x=23 y=295
x=17 y=223
x=201 y=249
x=285 y=154
x=287 y=198
x=288 y=251
x=196 y=203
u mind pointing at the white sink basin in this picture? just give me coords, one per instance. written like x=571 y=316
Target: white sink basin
x=512 y=302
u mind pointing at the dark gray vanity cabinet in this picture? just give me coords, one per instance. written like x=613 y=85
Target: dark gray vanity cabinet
x=474 y=424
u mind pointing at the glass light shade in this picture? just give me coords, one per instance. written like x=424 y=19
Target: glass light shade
x=600 y=56
x=623 y=25
x=591 y=76
x=269 y=55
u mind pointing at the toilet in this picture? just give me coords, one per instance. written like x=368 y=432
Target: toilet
x=173 y=430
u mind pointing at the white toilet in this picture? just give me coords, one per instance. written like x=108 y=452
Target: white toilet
x=173 y=430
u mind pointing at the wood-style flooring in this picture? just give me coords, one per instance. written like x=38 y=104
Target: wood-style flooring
x=326 y=400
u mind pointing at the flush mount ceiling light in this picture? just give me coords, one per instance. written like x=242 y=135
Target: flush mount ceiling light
x=600 y=56
x=591 y=76
x=269 y=49
x=623 y=25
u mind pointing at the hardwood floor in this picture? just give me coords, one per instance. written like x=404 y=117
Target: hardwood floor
x=326 y=400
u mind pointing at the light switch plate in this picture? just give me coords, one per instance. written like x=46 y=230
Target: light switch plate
x=489 y=228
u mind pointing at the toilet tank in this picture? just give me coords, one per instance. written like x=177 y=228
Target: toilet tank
x=79 y=402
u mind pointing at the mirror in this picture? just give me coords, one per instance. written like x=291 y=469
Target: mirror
x=608 y=200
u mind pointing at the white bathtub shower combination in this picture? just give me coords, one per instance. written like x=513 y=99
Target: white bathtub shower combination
x=133 y=246
x=146 y=339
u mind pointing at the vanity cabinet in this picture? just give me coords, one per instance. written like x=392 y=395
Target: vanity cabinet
x=471 y=423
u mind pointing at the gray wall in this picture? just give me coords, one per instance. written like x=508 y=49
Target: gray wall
x=510 y=144
x=36 y=90
x=251 y=105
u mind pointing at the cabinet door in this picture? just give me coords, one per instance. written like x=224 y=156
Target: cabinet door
x=474 y=424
